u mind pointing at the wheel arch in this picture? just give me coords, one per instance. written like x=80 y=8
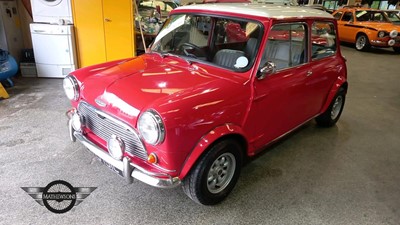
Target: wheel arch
x=227 y=131
x=362 y=32
x=341 y=82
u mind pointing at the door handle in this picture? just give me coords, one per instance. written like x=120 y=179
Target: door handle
x=309 y=73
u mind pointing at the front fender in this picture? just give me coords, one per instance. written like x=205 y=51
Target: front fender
x=340 y=82
x=206 y=141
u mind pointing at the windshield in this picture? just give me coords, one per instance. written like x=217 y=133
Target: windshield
x=225 y=42
x=393 y=16
x=371 y=16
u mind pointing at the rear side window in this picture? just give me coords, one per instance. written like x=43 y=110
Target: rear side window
x=348 y=16
x=286 y=46
x=323 y=39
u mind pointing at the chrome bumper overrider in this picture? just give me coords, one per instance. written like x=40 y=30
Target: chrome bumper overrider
x=129 y=170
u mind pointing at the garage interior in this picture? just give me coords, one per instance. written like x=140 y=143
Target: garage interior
x=347 y=174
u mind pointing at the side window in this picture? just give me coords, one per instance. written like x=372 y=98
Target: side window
x=234 y=31
x=348 y=16
x=338 y=15
x=323 y=39
x=286 y=46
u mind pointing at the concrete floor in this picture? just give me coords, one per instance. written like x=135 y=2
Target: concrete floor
x=348 y=174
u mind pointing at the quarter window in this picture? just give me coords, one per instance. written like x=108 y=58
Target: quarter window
x=338 y=15
x=323 y=38
x=286 y=46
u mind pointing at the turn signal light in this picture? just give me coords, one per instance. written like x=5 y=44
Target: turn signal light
x=152 y=158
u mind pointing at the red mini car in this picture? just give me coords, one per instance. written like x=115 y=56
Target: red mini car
x=220 y=82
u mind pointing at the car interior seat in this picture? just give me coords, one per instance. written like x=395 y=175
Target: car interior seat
x=227 y=58
x=251 y=48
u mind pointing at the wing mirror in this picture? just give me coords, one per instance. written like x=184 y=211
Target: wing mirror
x=267 y=69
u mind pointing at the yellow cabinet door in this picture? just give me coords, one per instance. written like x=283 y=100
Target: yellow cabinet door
x=89 y=32
x=104 y=30
x=118 y=29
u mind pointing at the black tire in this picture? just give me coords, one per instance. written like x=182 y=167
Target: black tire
x=332 y=113
x=199 y=183
x=396 y=49
x=362 y=43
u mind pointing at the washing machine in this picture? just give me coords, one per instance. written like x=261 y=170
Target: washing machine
x=54 y=49
x=52 y=11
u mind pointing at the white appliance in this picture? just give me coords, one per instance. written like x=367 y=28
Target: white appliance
x=10 y=29
x=54 y=49
x=52 y=11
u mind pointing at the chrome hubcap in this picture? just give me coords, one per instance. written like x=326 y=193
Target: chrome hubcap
x=337 y=106
x=361 y=41
x=221 y=173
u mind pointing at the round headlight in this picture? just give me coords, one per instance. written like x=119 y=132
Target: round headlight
x=381 y=34
x=71 y=88
x=151 y=127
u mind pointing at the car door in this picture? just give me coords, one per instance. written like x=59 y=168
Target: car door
x=279 y=98
x=326 y=65
x=347 y=30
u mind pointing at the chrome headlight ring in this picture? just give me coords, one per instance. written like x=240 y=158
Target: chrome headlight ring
x=71 y=87
x=151 y=127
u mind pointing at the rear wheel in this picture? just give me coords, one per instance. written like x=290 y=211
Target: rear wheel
x=215 y=175
x=396 y=49
x=362 y=43
x=333 y=112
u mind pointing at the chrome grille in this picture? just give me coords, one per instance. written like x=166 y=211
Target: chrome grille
x=104 y=126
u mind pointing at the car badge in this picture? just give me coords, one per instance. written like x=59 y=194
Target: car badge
x=100 y=102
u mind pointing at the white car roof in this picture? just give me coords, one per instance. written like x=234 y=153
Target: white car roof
x=257 y=9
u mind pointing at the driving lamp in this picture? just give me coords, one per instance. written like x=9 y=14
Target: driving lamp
x=77 y=122
x=393 y=33
x=116 y=147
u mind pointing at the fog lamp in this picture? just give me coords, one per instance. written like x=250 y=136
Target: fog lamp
x=77 y=121
x=116 y=147
x=391 y=42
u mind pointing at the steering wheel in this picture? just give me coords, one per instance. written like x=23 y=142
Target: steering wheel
x=185 y=46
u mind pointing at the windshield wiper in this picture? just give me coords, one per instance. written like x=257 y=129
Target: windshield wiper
x=177 y=56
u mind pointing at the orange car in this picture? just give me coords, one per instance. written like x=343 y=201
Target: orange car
x=367 y=27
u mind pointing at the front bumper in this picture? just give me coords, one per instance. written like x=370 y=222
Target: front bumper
x=385 y=44
x=129 y=170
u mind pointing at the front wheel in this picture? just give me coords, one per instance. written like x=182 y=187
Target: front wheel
x=362 y=43
x=396 y=49
x=333 y=112
x=215 y=175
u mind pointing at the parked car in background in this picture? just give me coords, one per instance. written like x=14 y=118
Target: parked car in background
x=366 y=28
x=393 y=16
x=220 y=82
